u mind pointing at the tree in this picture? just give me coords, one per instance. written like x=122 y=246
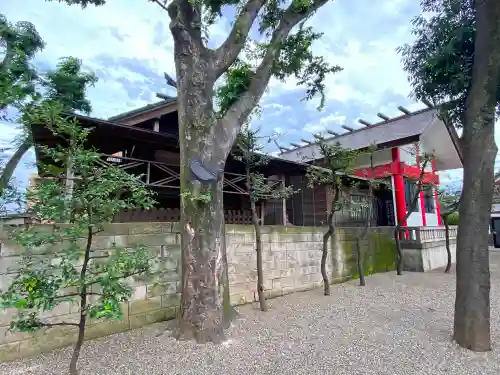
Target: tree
x=66 y=85
x=372 y=182
x=336 y=164
x=449 y=200
x=18 y=43
x=249 y=151
x=456 y=58
x=423 y=161
x=59 y=266
x=207 y=137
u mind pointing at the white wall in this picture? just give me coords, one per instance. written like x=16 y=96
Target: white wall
x=415 y=219
x=407 y=154
x=431 y=220
x=380 y=157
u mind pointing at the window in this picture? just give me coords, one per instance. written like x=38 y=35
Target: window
x=410 y=191
x=429 y=201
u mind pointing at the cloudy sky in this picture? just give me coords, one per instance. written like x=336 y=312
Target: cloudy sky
x=128 y=44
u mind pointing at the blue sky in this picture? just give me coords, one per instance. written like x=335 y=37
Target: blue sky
x=129 y=46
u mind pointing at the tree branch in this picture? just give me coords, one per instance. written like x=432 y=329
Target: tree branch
x=228 y=126
x=124 y=276
x=48 y=325
x=227 y=53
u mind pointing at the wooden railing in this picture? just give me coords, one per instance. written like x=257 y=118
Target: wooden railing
x=174 y=215
x=426 y=234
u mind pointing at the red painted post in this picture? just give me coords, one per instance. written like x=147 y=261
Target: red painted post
x=399 y=188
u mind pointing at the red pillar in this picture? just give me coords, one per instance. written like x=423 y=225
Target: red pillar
x=438 y=207
x=399 y=188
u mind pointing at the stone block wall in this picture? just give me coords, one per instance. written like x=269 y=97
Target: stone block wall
x=291 y=258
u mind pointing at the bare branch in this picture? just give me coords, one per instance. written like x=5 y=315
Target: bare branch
x=160 y=4
x=227 y=53
x=48 y=325
x=227 y=127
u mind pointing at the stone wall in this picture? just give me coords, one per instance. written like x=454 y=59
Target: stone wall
x=424 y=248
x=291 y=263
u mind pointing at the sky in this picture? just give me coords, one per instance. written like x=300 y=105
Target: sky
x=127 y=43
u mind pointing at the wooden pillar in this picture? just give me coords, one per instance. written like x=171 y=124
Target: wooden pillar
x=156 y=126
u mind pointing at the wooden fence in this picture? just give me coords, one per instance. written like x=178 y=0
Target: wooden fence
x=174 y=214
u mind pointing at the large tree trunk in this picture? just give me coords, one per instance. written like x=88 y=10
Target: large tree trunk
x=12 y=164
x=472 y=304
x=447 y=239
x=202 y=224
x=204 y=312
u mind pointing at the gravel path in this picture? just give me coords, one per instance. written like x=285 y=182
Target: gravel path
x=393 y=326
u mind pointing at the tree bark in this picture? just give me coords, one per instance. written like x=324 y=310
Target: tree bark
x=203 y=312
x=326 y=240
x=359 y=260
x=12 y=164
x=447 y=239
x=258 y=249
x=83 y=307
x=472 y=303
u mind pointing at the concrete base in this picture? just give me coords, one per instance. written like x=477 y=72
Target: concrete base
x=428 y=256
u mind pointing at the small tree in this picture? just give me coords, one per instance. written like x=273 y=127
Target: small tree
x=65 y=86
x=249 y=151
x=423 y=161
x=59 y=265
x=372 y=183
x=449 y=199
x=335 y=165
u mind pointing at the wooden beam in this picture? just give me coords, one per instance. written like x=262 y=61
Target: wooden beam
x=347 y=128
x=427 y=103
x=383 y=117
x=318 y=137
x=295 y=145
x=404 y=110
x=306 y=141
x=365 y=123
x=284 y=148
x=332 y=132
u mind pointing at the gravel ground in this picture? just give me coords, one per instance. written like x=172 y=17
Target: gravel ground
x=394 y=326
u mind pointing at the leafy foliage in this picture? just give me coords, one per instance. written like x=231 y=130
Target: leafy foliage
x=19 y=44
x=67 y=85
x=58 y=264
x=23 y=87
x=449 y=199
x=439 y=62
x=334 y=168
x=250 y=152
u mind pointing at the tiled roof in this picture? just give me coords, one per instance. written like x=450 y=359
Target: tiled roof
x=146 y=108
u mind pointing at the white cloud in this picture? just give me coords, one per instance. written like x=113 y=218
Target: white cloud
x=333 y=120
